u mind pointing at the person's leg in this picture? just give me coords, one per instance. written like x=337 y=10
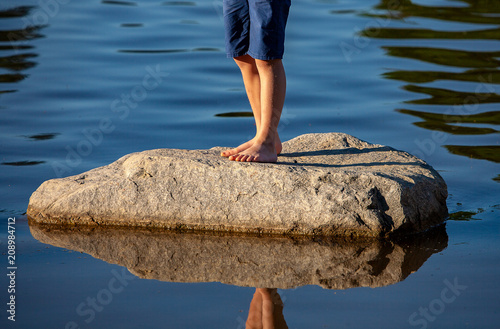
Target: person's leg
x=252 y=82
x=264 y=77
x=266 y=143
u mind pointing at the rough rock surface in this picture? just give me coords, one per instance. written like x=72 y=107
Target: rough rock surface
x=323 y=184
x=267 y=262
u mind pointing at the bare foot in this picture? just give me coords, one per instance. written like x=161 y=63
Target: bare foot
x=238 y=149
x=257 y=153
x=277 y=144
x=249 y=144
x=272 y=309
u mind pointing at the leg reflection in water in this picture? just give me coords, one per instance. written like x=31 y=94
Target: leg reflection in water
x=266 y=310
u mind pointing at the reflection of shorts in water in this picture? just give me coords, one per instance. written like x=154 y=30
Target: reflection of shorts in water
x=255 y=27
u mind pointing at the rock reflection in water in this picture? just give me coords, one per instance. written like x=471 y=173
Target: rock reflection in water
x=446 y=109
x=252 y=261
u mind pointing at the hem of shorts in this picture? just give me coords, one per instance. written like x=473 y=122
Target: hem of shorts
x=233 y=55
x=263 y=58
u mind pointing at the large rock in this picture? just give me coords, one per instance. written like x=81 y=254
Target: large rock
x=323 y=184
x=252 y=261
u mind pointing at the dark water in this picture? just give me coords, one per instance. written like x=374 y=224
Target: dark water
x=85 y=82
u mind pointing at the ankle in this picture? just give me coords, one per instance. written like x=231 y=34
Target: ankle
x=264 y=141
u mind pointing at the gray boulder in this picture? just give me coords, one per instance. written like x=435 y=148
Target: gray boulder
x=323 y=184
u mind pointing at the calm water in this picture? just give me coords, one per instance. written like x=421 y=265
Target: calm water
x=85 y=82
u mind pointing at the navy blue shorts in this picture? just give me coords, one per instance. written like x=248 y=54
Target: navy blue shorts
x=255 y=28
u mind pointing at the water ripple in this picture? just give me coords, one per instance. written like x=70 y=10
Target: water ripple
x=120 y=3
x=447 y=110
x=179 y=3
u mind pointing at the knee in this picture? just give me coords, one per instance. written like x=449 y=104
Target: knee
x=267 y=64
x=245 y=63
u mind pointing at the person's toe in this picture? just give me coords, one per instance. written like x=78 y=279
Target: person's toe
x=228 y=153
